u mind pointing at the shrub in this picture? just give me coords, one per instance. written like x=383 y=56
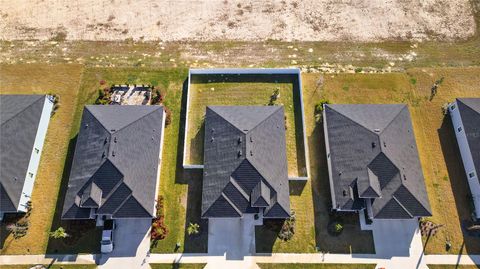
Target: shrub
x=193 y=228
x=157 y=97
x=103 y=96
x=168 y=115
x=319 y=110
x=338 y=228
x=56 y=100
x=358 y=70
x=58 y=233
x=274 y=97
x=288 y=228
x=445 y=109
x=159 y=228
x=335 y=227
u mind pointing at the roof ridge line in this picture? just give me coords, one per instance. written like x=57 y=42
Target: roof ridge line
x=393 y=119
x=240 y=189
x=104 y=127
x=470 y=107
x=265 y=212
x=23 y=110
x=231 y=204
x=123 y=202
x=151 y=112
x=114 y=190
x=235 y=127
x=405 y=186
x=269 y=116
x=402 y=206
x=346 y=117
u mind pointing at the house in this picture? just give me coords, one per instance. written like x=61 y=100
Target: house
x=373 y=161
x=465 y=114
x=23 y=126
x=245 y=163
x=116 y=165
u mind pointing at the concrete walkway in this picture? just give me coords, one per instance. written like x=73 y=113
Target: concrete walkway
x=247 y=262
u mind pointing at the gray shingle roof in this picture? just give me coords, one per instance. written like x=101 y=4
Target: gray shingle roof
x=373 y=154
x=469 y=109
x=117 y=151
x=19 y=120
x=245 y=146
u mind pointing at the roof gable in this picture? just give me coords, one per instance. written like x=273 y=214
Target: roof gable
x=116 y=117
x=244 y=118
x=372 y=117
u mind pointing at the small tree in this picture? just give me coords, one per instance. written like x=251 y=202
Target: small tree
x=338 y=228
x=319 y=110
x=58 y=233
x=193 y=228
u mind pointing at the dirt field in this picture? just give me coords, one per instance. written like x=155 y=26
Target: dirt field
x=303 y=20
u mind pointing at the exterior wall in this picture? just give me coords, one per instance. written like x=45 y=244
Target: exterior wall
x=245 y=71
x=329 y=160
x=159 y=165
x=467 y=159
x=35 y=156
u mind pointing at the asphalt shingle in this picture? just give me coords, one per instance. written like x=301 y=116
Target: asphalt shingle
x=373 y=154
x=244 y=145
x=19 y=120
x=118 y=150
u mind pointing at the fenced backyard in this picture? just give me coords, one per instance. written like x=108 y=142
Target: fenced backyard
x=246 y=87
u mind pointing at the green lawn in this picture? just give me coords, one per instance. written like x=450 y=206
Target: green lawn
x=180 y=190
x=314 y=266
x=118 y=62
x=63 y=80
x=445 y=181
x=245 y=93
x=177 y=266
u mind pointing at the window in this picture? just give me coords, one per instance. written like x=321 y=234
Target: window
x=459 y=129
x=37 y=151
x=471 y=175
x=453 y=107
x=30 y=174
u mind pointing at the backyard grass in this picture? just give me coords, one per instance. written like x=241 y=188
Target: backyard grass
x=181 y=191
x=53 y=266
x=245 y=93
x=177 y=266
x=314 y=266
x=40 y=79
x=430 y=266
x=443 y=171
x=438 y=151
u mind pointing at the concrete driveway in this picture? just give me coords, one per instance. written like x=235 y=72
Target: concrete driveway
x=399 y=243
x=131 y=245
x=232 y=237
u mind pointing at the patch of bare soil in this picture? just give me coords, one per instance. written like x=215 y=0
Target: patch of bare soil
x=176 y=20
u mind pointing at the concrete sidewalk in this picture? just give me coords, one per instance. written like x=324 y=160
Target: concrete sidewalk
x=250 y=261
